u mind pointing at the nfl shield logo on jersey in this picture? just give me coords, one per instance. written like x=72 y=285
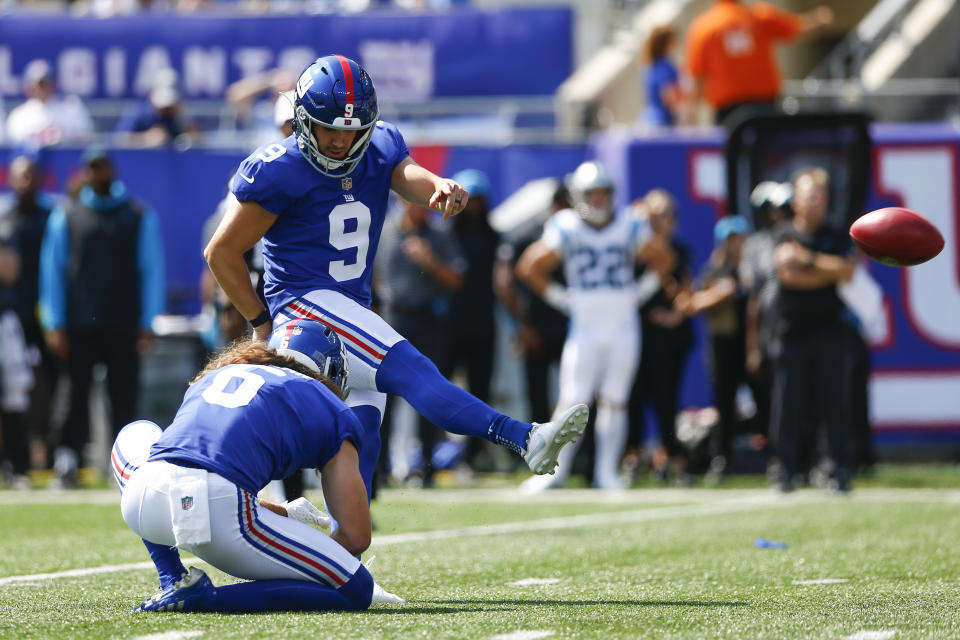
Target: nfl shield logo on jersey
x=346 y=183
x=186 y=503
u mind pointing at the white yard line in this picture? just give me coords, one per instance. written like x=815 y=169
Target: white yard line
x=171 y=635
x=76 y=573
x=721 y=503
x=873 y=635
x=533 y=582
x=821 y=581
x=764 y=500
x=523 y=635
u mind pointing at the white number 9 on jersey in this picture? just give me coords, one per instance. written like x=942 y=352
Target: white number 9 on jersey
x=357 y=238
x=271 y=153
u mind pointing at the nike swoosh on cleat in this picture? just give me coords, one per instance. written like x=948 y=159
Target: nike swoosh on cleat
x=250 y=180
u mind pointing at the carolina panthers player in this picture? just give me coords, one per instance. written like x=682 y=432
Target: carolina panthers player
x=318 y=200
x=598 y=251
x=256 y=413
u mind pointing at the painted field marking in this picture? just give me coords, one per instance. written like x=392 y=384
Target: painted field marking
x=745 y=501
x=873 y=635
x=171 y=635
x=76 y=573
x=822 y=581
x=765 y=499
x=533 y=582
x=523 y=635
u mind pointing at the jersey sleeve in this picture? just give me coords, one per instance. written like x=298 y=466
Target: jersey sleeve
x=775 y=22
x=348 y=428
x=259 y=180
x=554 y=237
x=395 y=147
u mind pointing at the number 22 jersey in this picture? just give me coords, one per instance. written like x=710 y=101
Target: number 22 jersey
x=328 y=229
x=598 y=264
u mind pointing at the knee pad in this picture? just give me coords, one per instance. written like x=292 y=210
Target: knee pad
x=131 y=448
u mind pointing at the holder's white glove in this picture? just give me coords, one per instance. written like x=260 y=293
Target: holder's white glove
x=304 y=511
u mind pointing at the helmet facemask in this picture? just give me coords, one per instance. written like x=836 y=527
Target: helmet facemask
x=589 y=177
x=593 y=215
x=332 y=167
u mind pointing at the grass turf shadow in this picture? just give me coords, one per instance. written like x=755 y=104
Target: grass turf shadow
x=594 y=603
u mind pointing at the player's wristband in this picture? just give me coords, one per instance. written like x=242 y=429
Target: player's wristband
x=263 y=318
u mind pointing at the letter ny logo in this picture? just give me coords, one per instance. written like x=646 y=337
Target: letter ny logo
x=304 y=83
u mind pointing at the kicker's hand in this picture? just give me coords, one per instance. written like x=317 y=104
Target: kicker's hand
x=304 y=511
x=450 y=198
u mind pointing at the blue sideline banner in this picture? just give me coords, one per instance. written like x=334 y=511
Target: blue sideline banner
x=412 y=57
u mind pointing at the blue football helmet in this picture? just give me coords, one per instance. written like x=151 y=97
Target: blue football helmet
x=337 y=93
x=315 y=346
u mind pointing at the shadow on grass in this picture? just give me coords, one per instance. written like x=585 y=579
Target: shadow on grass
x=412 y=608
x=594 y=603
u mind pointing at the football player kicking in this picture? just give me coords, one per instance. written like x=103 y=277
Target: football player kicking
x=598 y=251
x=318 y=200
x=256 y=413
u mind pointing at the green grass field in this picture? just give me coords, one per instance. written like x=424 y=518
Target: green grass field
x=661 y=563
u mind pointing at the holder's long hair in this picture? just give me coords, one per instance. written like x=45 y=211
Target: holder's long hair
x=249 y=351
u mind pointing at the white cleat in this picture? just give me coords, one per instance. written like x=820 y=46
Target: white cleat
x=547 y=439
x=382 y=596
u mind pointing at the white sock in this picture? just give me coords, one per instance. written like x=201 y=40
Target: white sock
x=611 y=428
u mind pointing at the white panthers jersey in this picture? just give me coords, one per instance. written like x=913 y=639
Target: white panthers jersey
x=598 y=263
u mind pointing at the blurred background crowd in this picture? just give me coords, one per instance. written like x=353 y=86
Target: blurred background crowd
x=739 y=372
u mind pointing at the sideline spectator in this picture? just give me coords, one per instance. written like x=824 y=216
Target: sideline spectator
x=722 y=299
x=667 y=339
x=666 y=102
x=730 y=52
x=160 y=120
x=811 y=353
x=101 y=285
x=418 y=268
x=263 y=103
x=46 y=119
x=472 y=332
x=22 y=227
x=770 y=203
x=16 y=378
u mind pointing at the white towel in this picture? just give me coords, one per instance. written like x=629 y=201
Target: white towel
x=189 y=509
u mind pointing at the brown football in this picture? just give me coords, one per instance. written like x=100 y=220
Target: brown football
x=896 y=236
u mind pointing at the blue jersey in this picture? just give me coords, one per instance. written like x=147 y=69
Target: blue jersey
x=328 y=229
x=255 y=423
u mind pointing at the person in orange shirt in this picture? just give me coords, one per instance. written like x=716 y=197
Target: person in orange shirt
x=730 y=51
